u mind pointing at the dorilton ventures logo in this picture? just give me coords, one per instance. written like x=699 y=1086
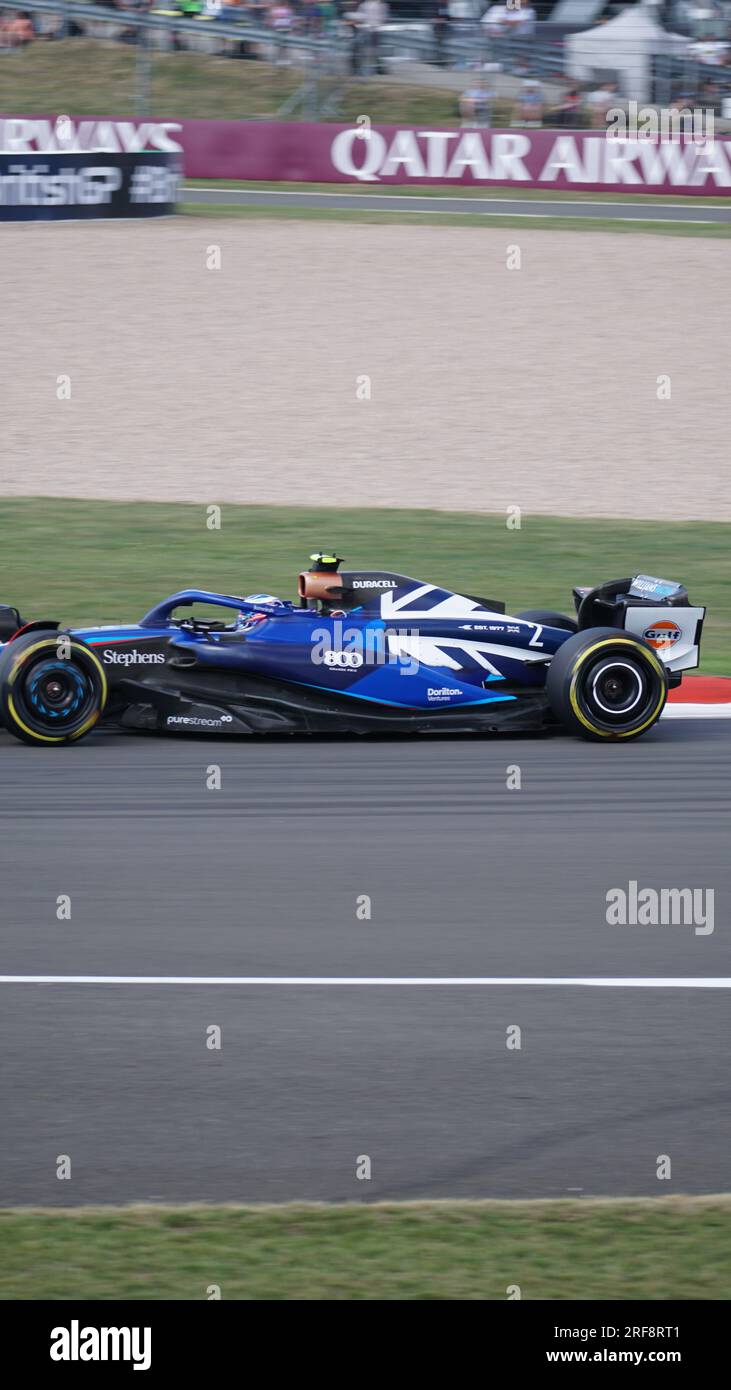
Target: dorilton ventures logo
x=76 y=1343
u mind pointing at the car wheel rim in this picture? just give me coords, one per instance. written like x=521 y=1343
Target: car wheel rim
x=617 y=688
x=618 y=693
x=57 y=695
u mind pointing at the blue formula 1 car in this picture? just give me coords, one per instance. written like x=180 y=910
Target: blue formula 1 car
x=362 y=651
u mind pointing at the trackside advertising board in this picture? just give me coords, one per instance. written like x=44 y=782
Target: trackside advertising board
x=48 y=187
x=590 y=161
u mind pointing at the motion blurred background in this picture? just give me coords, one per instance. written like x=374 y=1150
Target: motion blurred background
x=553 y=62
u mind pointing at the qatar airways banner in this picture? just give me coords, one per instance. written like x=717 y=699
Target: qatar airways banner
x=324 y=153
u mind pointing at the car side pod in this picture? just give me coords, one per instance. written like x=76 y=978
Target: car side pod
x=606 y=684
x=53 y=688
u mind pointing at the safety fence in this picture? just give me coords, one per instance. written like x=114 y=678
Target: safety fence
x=312 y=73
x=420 y=52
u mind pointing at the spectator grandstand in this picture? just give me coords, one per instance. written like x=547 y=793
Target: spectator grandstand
x=536 y=69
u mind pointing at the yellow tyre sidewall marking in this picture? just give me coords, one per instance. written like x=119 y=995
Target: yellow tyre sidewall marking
x=616 y=642
x=49 y=738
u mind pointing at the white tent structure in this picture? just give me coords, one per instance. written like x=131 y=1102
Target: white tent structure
x=625 y=46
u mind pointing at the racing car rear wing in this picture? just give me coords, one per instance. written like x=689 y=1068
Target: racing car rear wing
x=658 y=610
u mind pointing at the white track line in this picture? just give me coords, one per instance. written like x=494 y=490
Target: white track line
x=434 y=981
x=535 y=216
x=377 y=192
x=448 y=211
x=693 y=711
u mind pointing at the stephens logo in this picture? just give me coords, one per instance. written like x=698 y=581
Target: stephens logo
x=113 y=658
x=663 y=635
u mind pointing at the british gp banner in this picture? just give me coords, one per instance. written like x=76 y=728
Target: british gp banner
x=49 y=186
x=591 y=161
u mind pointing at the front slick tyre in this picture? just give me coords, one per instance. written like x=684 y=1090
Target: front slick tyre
x=606 y=684
x=52 y=688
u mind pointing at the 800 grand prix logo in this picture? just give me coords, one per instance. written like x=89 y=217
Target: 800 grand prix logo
x=663 y=635
x=350 y=660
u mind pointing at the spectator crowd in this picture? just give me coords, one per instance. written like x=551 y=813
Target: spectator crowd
x=505 y=40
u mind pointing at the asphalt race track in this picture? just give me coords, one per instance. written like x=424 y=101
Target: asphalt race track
x=685 y=210
x=261 y=877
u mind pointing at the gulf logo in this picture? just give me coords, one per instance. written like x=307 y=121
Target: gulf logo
x=663 y=634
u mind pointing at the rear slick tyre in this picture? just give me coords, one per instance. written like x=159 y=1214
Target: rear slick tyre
x=604 y=683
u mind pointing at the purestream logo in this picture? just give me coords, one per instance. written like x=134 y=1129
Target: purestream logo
x=76 y=1343
x=194 y=721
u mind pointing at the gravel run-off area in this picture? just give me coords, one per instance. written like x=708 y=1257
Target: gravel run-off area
x=354 y=364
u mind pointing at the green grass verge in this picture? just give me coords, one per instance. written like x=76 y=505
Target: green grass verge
x=441 y=190
x=720 y=230
x=109 y=561
x=660 y=1248
x=85 y=77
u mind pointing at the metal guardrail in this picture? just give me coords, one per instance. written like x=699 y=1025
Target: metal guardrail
x=466 y=46
x=675 y=76
x=541 y=58
x=314 y=56
x=345 y=53
x=143 y=20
